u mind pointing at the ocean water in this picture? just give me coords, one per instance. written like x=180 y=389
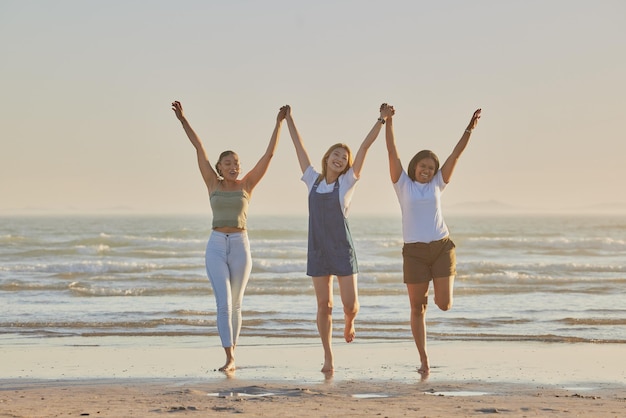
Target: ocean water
x=520 y=278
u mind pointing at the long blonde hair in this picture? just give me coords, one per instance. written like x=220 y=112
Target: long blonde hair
x=330 y=150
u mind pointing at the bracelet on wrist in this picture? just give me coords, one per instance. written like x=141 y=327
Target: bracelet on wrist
x=469 y=131
x=381 y=120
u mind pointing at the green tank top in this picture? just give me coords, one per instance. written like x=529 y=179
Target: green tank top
x=229 y=208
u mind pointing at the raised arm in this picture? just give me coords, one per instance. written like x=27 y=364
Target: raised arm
x=359 y=159
x=448 y=167
x=395 y=165
x=256 y=174
x=208 y=173
x=303 y=157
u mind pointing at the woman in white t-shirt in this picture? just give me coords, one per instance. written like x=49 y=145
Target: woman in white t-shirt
x=330 y=248
x=428 y=252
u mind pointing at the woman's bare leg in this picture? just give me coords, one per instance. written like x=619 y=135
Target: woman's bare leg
x=324 y=294
x=350 y=300
x=444 y=289
x=230 y=360
x=418 y=298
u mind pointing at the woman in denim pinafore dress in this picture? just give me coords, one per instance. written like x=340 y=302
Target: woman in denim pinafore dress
x=330 y=249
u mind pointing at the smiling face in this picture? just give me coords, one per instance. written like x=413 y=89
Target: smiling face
x=337 y=160
x=425 y=170
x=423 y=166
x=228 y=166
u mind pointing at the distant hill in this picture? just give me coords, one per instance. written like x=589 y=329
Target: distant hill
x=613 y=208
x=492 y=207
x=484 y=207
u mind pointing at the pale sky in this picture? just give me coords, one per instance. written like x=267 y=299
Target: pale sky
x=86 y=124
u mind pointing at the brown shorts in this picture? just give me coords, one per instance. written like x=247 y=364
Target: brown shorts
x=425 y=261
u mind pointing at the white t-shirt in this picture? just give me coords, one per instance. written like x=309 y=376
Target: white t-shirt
x=346 y=181
x=422 y=219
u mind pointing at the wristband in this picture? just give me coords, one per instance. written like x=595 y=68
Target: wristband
x=381 y=120
x=469 y=131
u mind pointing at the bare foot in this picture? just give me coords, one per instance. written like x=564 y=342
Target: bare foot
x=349 y=333
x=328 y=369
x=329 y=364
x=424 y=369
x=230 y=360
x=229 y=366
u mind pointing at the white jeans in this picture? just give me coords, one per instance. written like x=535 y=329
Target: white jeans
x=228 y=265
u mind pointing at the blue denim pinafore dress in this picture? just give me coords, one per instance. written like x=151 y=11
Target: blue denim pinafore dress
x=330 y=248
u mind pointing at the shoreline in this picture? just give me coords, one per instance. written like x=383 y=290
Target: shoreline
x=280 y=359
x=145 y=376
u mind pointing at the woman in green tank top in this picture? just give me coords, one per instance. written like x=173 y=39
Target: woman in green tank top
x=227 y=257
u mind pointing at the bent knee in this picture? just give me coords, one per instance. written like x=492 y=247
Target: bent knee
x=444 y=305
x=351 y=309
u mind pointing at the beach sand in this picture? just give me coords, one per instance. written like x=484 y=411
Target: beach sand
x=150 y=376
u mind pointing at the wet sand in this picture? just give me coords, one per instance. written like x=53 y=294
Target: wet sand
x=149 y=376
